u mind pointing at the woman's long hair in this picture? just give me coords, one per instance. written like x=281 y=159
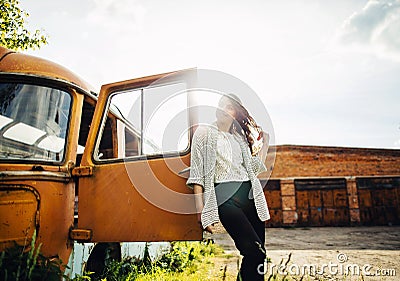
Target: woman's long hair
x=247 y=125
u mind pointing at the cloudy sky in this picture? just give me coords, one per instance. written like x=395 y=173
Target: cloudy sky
x=328 y=72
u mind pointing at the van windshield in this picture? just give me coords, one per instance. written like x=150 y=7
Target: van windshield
x=33 y=122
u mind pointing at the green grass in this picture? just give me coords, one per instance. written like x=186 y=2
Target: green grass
x=186 y=261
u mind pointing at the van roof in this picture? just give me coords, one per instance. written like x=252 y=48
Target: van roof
x=14 y=62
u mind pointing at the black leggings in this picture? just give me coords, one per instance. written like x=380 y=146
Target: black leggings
x=239 y=217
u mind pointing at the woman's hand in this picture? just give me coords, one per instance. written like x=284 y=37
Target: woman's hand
x=263 y=151
x=209 y=229
x=198 y=191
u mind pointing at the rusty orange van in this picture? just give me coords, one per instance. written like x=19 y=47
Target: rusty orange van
x=77 y=166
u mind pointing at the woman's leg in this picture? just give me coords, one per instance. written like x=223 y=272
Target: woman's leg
x=247 y=238
x=258 y=226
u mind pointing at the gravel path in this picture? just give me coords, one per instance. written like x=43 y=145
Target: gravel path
x=375 y=249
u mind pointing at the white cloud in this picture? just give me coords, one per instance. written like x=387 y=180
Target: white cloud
x=374 y=29
x=117 y=16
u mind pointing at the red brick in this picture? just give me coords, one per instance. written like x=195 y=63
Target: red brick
x=289 y=217
x=288 y=203
x=317 y=161
x=287 y=188
x=354 y=215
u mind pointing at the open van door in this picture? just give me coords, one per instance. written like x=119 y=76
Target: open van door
x=131 y=180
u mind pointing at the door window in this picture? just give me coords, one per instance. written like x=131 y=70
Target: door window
x=145 y=121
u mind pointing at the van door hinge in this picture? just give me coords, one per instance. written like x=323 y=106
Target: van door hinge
x=83 y=235
x=83 y=171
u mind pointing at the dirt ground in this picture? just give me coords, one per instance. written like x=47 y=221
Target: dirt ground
x=343 y=253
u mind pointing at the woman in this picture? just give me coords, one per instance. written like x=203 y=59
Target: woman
x=223 y=173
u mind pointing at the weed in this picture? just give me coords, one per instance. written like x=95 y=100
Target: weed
x=19 y=263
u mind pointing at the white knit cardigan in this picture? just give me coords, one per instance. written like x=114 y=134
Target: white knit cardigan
x=202 y=171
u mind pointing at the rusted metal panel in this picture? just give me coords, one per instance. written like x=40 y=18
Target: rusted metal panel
x=110 y=194
x=322 y=202
x=328 y=198
x=340 y=198
x=315 y=218
x=379 y=200
x=390 y=196
x=314 y=199
x=302 y=217
x=53 y=210
x=329 y=215
x=276 y=219
x=273 y=199
x=302 y=199
x=37 y=175
x=365 y=198
x=320 y=183
x=19 y=215
x=273 y=196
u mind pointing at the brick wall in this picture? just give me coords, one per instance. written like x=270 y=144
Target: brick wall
x=316 y=202
x=316 y=161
